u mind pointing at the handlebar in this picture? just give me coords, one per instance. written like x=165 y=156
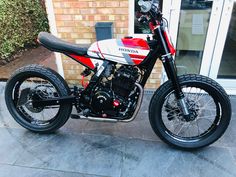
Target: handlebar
x=157 y=24
x=151 y=10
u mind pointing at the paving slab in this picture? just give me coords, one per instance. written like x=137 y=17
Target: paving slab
x=211 y=161
x=89 y=154
x=16 y=171
x=157 y=159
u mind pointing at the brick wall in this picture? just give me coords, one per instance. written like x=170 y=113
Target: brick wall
x=76 y=19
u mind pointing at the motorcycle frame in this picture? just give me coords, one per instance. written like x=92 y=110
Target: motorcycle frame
x=160 y=48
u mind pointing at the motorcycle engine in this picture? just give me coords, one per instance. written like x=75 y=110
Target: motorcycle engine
x=102 y=101
x=124 y=80
x=111 y=97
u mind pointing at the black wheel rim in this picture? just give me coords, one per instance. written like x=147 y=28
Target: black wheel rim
x=207 y=113
x=36 y=117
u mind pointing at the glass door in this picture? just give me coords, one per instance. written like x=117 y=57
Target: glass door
x=195 y=33
x=223 y=65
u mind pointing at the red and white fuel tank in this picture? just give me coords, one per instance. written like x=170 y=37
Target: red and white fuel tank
x=129 y=51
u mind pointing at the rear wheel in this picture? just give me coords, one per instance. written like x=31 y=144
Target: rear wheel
x=32 y=83
x=208 y=105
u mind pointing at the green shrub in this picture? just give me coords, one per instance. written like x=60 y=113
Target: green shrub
x=20 y=23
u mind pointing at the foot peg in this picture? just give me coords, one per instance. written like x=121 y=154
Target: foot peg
x=74 y=116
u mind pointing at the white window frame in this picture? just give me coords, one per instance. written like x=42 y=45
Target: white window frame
x=53 y=29
x=211 y=34
x=228 y=84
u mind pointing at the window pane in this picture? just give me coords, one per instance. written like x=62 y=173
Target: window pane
x=142 y=28
x=193 y=27
x=228 y=61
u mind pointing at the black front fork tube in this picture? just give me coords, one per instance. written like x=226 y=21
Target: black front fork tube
x=169 y=66
x=171 y=72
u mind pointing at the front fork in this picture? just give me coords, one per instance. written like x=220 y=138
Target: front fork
x=169 y=66
x=171 y=72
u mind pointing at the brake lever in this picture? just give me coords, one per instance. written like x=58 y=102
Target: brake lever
x=143 y=19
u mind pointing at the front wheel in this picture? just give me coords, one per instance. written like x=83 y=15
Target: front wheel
x=208 y=105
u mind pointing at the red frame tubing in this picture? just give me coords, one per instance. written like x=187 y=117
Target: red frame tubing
x=169 y=43
x=83 y=60
x=82 y=82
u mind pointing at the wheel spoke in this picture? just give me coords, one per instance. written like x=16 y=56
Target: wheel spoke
x=46 y=89
x=200 y=103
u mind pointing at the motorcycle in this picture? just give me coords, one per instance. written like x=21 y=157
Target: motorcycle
x=188 y=112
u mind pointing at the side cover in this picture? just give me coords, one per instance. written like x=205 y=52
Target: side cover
x=87 y=61
x=124 y=51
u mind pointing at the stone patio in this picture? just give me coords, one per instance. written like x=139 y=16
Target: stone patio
x=90 y=149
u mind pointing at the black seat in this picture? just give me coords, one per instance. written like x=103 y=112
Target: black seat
x=55 y=44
